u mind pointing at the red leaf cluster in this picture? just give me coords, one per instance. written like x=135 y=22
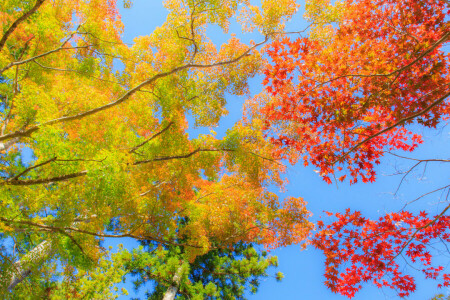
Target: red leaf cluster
x=343 y=100
x=360 y=250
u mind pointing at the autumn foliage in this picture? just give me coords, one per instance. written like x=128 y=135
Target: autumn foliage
x=95 y=139
x=360 y=250
x=90 y=150
x=341 y=98
x=346 y=95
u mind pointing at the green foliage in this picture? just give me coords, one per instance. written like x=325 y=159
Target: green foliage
x=218 y=274
x=73 y=254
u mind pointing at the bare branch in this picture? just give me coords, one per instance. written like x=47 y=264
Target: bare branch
x=419 y=160
x=434 y=191
x=406 y=174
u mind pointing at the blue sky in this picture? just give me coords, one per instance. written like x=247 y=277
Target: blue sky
x=303 y=270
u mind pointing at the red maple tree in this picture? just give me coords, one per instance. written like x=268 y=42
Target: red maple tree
x=340 y=100
x=371 y=248
x=347 y=98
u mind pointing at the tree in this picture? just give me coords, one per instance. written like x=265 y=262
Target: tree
x=219 y=274
x=342 y=98
x=91 y=151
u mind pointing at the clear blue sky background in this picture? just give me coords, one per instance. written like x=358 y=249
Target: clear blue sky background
x=303 y=270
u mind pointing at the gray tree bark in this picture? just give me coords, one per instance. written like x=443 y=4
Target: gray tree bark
x=23 y=267
x=173 y=289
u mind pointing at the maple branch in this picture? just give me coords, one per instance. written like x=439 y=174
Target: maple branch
x=192 y=38
x=16 y=181
x=18 y=21
x=176 y=156
x=128 y=94
x=209 y=194
x=265 y=158
x=417 y=230
x=82 y=159
x=187 y=155
x=74 y=71
x=151 y=138
x=113 y=56
x=299 y=32
x=100 y=39
x=443 y=39
x=400 y=122
x=56 y=229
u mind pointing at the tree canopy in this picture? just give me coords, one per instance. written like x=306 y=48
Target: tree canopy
x=108 y=151
x=345 y=96
x=95 y=142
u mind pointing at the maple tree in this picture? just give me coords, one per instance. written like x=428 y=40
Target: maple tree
x=341 y=98
x=89 y=152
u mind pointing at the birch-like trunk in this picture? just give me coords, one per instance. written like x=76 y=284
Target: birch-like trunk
x=23 y=267
x=173 y=289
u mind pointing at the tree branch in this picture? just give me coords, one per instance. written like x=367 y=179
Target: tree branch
x=17 y=63
x=31 y=168
x=59 y=229
x=44 y=180
x=417 y=230
x=400 y=122
x=151 y=138
x=18 y=21
x=127 y=95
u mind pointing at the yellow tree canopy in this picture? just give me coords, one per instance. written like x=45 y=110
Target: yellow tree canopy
x=90 y=150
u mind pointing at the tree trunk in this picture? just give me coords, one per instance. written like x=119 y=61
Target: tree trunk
x=23 y=267
x=173 y=289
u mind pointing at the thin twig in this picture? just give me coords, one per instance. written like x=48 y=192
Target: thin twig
x=434 y=191
x=32 y=168
x=151 y=138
